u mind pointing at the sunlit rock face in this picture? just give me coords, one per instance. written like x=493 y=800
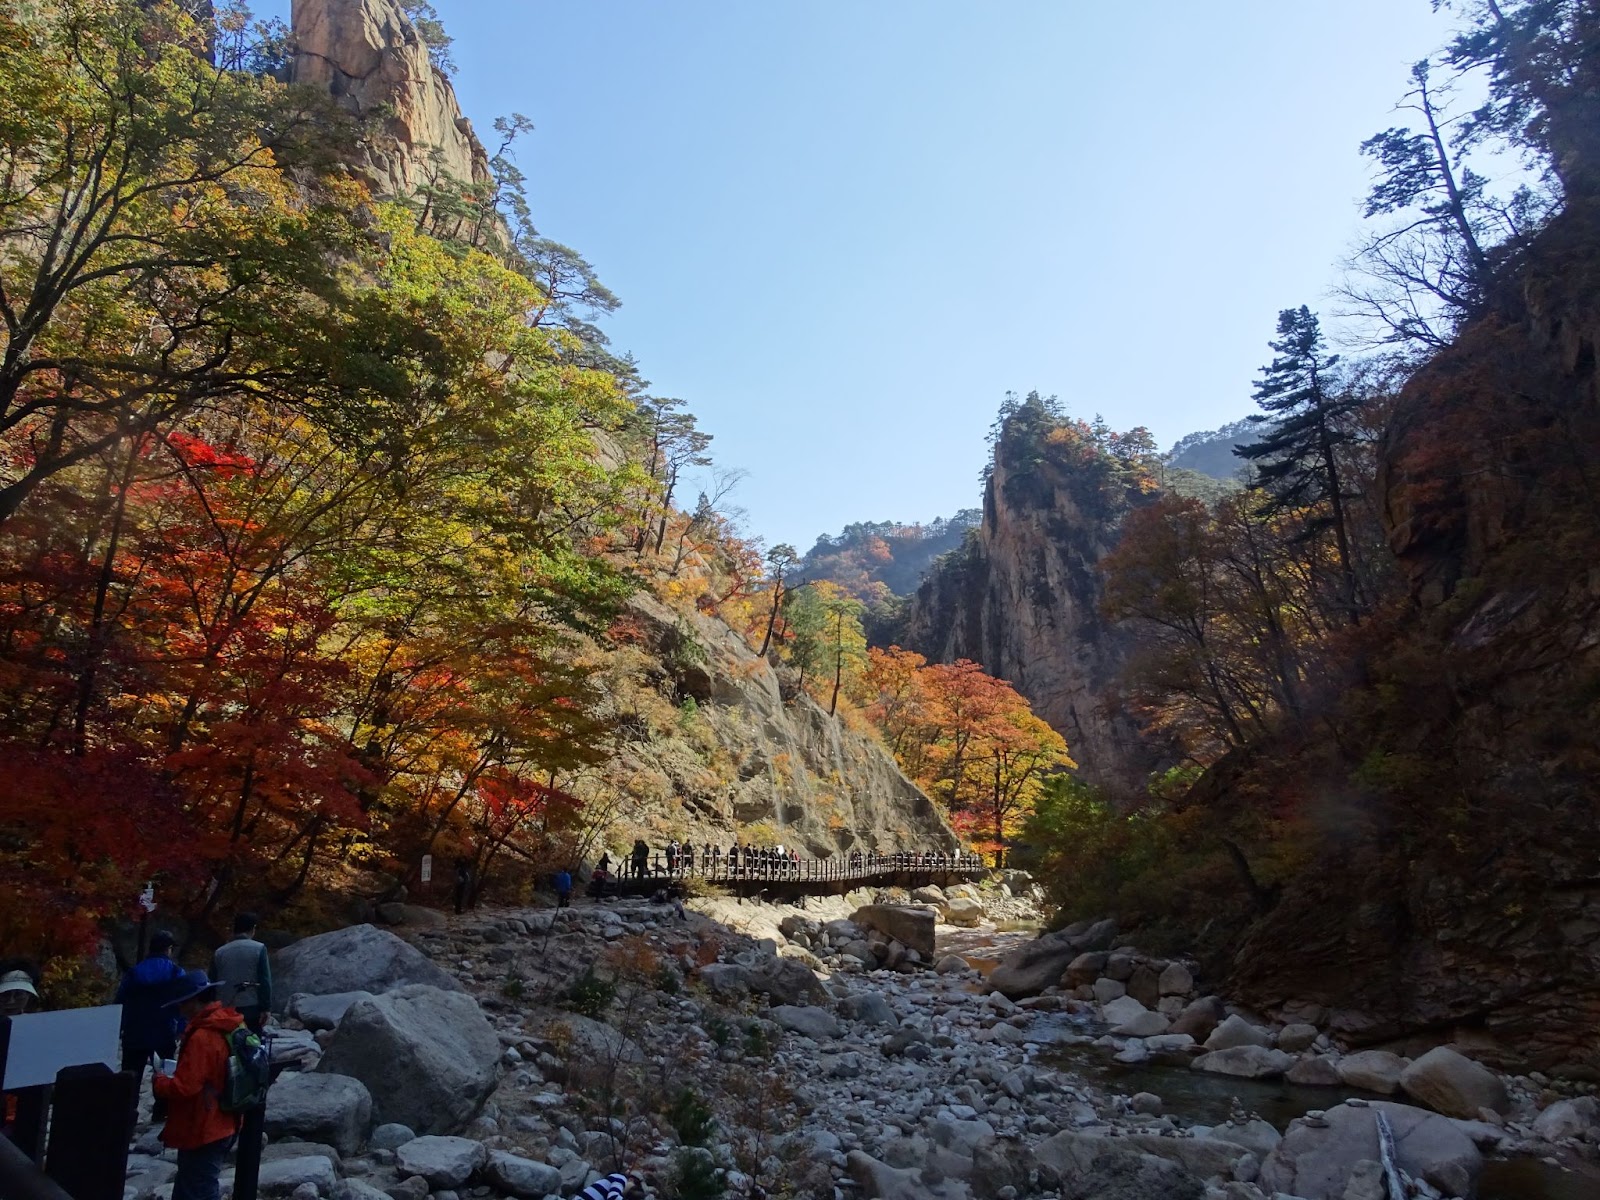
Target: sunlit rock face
x=370 y=57
x=1023 y=601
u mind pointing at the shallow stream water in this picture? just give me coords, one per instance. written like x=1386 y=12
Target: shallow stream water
x=1194 y=1097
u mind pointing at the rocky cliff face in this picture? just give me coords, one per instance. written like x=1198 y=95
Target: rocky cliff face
x=371 y=59
x=744 y=751
x=1022 y=599
x=1480 y=919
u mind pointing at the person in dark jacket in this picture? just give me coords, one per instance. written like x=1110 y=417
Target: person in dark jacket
x=563 y=888
x=149 y=1026
x=243 y=974
x=197 y=1128
x=641 y=858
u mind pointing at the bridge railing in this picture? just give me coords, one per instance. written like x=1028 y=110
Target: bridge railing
x=722 y=868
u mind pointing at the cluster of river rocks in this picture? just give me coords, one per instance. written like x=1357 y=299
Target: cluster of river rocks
x=833 y=1052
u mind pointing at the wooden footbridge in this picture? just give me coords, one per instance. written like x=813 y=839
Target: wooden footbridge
x=782 y=879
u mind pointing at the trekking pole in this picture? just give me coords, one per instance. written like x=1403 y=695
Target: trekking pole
x=252 y=1135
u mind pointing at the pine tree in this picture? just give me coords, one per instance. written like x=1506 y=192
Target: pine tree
x=1296 y=463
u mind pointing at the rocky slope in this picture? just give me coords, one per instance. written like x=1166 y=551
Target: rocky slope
x=1022 y=599
x=371 y=59
x=743 y=750
x=737 y=752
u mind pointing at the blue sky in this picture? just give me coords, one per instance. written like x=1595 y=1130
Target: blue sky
x=842 y=231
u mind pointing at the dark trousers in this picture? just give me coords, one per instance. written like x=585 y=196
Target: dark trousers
x=136 y=1060
x=563 y=899
x=254 y=1016
x=200 y=1170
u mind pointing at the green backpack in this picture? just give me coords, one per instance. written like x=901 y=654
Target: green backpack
x=249 y=1072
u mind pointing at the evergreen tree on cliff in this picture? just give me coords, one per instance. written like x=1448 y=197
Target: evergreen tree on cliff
x=1296 y=464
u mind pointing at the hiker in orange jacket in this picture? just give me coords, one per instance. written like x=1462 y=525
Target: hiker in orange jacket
x=196 y=1127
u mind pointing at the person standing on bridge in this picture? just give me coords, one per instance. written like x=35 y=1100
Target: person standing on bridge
x=672 y=857
x=641 y=858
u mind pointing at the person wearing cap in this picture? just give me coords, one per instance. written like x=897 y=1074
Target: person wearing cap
x=19 y=991
x=243 y=975
x=196 y=1127
x=149 y=1026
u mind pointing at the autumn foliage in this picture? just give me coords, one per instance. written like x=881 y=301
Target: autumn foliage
x=966 y=738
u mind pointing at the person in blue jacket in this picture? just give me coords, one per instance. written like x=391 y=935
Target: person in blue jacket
x=148 y=1027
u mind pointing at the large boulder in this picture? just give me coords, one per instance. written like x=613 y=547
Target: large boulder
x=1453 y=1084
x=445 y=1162
x=1030 y=969
x=1372 y=1071
x=964 y=912
x=815 y=1023
x=1199 y=1017
x=879 y=1181
x=355 y=959
x=1315 y=1159
x=1245 y=1062
x=522 y=1177
x=333 y=1109
x=1236 y=1031
x=785 y=981
x=429 y=1057
x=1176 y=980
x=1122 y=1010
x=285 y=1176
x=911 y=926
x=870 y=1008
x=1567 y=1119
x=323 y=1012
x=1088 y=1167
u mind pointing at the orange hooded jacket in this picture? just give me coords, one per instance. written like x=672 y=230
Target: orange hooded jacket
x=193 y=1118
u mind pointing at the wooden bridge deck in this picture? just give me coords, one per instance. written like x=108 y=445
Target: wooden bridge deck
x=785 y=880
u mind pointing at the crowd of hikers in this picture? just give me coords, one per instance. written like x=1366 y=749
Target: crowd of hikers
x=202 y=1034
x=198 y=1032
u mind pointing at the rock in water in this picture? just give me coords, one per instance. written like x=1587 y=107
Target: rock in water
x=1373 y=1071
x=429 y=1057
x=910 y=926
x=1245 y=1062
x=1236 y=1031
x=358 y=958
x=445 y=1162
x=1453 y=1084
x=964 y=912
x=1317 y=1162
x=335 y=1109
x=1030 y=969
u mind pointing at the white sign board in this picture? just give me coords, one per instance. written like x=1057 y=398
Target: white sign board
x=147 y=898
x=427 y=867
x=43 y=1043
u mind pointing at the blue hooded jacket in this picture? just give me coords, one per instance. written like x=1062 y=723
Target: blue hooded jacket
x=146 y=1025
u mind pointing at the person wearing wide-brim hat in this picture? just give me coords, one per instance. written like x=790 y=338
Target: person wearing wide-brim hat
x=196 y=1127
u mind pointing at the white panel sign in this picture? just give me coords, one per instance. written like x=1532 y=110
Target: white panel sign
x=43 y=1043
x=427 y=868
